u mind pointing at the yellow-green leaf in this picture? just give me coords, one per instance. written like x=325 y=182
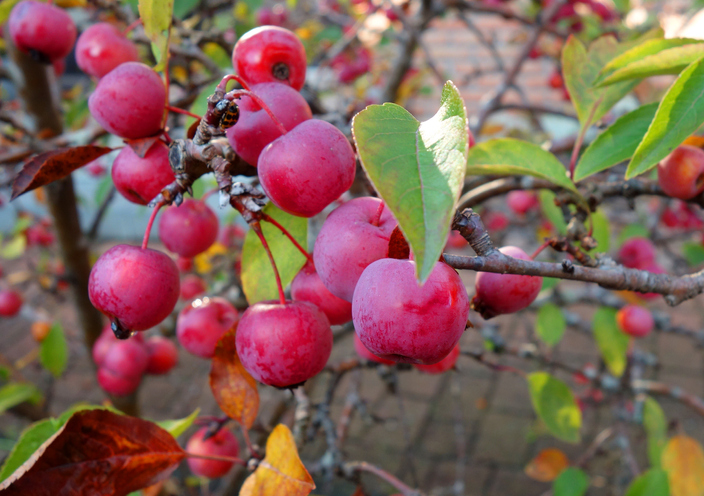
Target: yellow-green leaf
x=555 y=405
x=612 y=343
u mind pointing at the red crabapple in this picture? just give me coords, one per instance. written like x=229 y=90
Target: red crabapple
x=138 y=287
x=125 y=112
x=635 y=321
x=223 y=443
x=188 y=229
x=41 y=29
x=556 y=80
x=105 y=341
x=681 y=173
x=308 y=168
x=495 y=221
x=455 y=240
x=521 y=202
x=192 y=286
x=184 y=264
x=40 y=330
x=122 y=367
x=365 y=354
x=270 y=54
x=201 y=324
x=637 y=253
x=283 y=345
x=307 y=286
x=102 y=47
x=275 y=16
x=255 y=129
x=496 y=294
x=10 y=303
x=354 y=235
x=399 y=320
x=443 y=365
x=231 y=235
x=140 y=180
x=162 y=355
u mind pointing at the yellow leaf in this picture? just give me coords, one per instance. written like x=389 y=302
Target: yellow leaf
x=281 y=471
x=203 y=262
x=547 y=465
x=683 y=460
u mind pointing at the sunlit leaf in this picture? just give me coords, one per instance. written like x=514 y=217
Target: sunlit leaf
x=612 y=343
x=651 y=483
x=683 y=460
x=550 y=324
x=655 y=425
x=555 y=405
x=14 y=393
x=179 y=426
x=53 y=350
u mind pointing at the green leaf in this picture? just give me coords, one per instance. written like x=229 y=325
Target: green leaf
x=30 y=439
x=551 y=211
x=680 y=113
x=654 y=57
x=14 y=393
x=633 y=231
x=694 y=253
x=156 y=16
x=200 y=104
x=601 y=232
x=507 y=156
x=549 y=283
x=417 y=168
x=258 y=281
x=21 y=225
x=612 y=343
x=53 y=351
x=178 y=427
x=14 y=248
x=571 y=482
x=106 y=183
x=581 y=67
x=555 y=405
x=184 y=7
x=655 y=425
x=617 y=143
x=651 y=483
x=550 y=324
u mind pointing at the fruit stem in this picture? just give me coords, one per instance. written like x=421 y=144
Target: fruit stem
x=237 y=93
x=230 y=77
x=166 y=136
x=217 y=457
x=129 y=28
x=540 y=248
x=281 y=228
x=377 y=217
x=257 y=228
x=182 y=111
x=248 y=442
x=382 y=474
x=148 y=230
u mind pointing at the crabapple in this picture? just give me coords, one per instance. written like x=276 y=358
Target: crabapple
x=40 y=330
x=125 y=112
x=635 y=321
x=283 y=344
x=399 y=320
x=184 y=264
x=162 y=355
x=115 y=384
x=10 y=303
x=365 y=354
x=201 y=324
x=681 y=173
x=192 y=286
x=138 y=287
x=105 y=341
x=122 y=367
x=231 y=235
x=354 y=235
x=308 y=168
x=188 y=229
x=307 y=286
x=223 y=443
x=255 y=129
x=443 y=365
x=270 y=54
x=41 y=29
x=637 y=253
x=275 y=16
x=102 y=47
x=455 y=240
x=521 y=202
x=139 y=180
x=496 y=294
x=556 y=80
x=39 y=235
x=495 y=221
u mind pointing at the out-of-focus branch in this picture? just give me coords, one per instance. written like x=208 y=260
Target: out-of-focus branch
x=505 y=12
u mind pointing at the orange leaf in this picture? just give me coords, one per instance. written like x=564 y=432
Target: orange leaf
x=547 y=465
x=398 y=246
x=97 y=452
x=234 y=389
x=683 y=460
x=694 y=140
x=281 y=471
x=51 y=166
x=142 y=145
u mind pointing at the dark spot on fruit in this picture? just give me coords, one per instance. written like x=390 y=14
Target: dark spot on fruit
x=280 y=71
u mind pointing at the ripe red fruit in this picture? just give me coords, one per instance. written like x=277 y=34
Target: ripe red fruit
x=455 y=240
x=223 y=443
x=140 y=180
x=192 y=286
x=353 y=236
x=556 y=80
x=496 y=294
x=255 y=129
x=399 y=320
x=365 y=354
x=443 y=365
x=184 y=264
x=139 y=287
x=495 y=221
x=231 y=235
x=308 y=168
x=637 y=253
x=162 y=355
x=681 y=173
x=105 y=341
x=283 y=345
x=201 y=324
x=125 y=112
x=188 y=229
x=270 y=54
x=10 y=303
x=521 y=202
x=102 y=47
x=307 y=286
x=43 y=30
x=275 y=16
x=122 y=367
x=39 y=235
x=635 y=321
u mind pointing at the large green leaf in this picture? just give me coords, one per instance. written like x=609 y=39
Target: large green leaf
x=258 y=281
x=418 y=169
x=694 y=253
x=601 y=232
x=654 y=57
x=571 y=482
x=680 y=113
x=14 y=393
x=580 y=68
x=179 y=426
x=507 y=156
x=555 y=405
x=617 y=143
x=612 y=343
x=550 y=324
x=655 y=425
x=53 y=351
x=651 y=483
x=156 y=16
x=30 y=439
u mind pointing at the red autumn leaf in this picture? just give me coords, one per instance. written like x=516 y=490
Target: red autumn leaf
x=142 y=145
x=51 y=166
x=547 y=465
x=97 y=452
x=234 y=389
x=398 y=246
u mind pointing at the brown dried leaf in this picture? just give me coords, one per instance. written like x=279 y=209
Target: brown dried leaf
x=398 y=246
x=142 y=145
x=547 y=465
x=234 y=389
x=683 y=460
x=97 y=452
x=51 y=166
